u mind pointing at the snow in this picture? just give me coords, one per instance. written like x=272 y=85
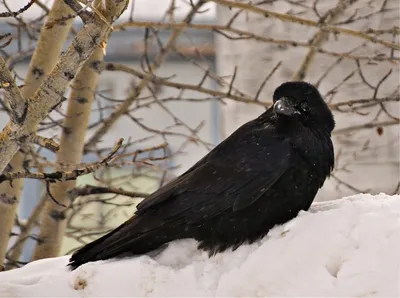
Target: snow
x=346 y=247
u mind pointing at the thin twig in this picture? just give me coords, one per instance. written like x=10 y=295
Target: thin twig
x=306 y=22
x=243 y=34
x=93 y=190
x=44 y=142
x=64 y=175
x=365 y=126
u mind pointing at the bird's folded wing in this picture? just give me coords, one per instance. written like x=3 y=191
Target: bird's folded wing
x=221 y=181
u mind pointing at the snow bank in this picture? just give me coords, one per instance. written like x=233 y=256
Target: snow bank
x=348 y=247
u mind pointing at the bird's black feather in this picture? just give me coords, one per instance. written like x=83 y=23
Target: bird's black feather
x=262 y=175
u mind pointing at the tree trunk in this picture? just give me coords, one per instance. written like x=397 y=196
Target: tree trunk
x=9 y=199
x=53 y=217
x=45 y=57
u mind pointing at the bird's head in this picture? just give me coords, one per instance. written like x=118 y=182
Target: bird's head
x=301 y=101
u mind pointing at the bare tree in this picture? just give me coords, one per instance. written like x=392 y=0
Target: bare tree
x=27 y=109
x=348 y=48
x=43 y=60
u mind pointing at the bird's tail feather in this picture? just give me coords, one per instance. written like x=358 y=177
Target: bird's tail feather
x=119 y=242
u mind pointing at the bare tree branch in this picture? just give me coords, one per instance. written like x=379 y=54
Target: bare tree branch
x=242 y=35
x=88 y=190
x=64 y=175
x=366 y=126
x=320 y=37
x=51 y=93
x=107 y=124
x=44 y=142
x=334 y=45
x=13 y=95
x=16 y=13
x=306 y=22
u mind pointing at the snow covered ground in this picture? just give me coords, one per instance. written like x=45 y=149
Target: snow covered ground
x=348 y=247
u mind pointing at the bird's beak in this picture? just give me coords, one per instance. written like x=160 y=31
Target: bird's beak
x=283 y=106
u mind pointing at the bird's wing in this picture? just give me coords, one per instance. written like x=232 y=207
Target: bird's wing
x=234 y=175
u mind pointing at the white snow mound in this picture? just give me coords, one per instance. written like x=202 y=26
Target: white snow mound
x=347 y=247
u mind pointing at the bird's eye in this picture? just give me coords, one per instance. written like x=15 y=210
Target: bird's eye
x=304 y=106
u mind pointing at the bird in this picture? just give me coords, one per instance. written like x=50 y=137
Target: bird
x=262 y=175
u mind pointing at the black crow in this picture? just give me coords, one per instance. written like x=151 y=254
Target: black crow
x=262 y=175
